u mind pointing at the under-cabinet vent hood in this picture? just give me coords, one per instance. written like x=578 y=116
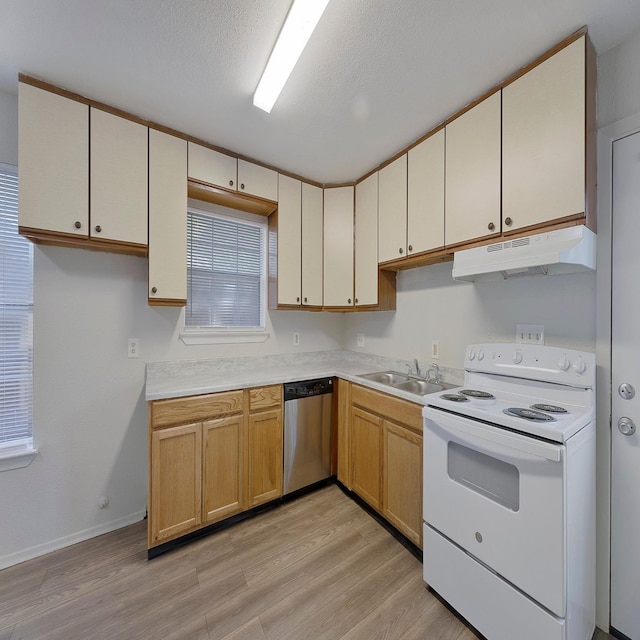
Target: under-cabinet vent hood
x=561 y=251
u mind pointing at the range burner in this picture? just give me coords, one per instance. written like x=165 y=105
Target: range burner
x=549 y=408
x=528 y=414
x=478 y=395
x=454 y=397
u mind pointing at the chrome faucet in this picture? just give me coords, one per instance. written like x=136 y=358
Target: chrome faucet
x=416 y=365
x=436 y=373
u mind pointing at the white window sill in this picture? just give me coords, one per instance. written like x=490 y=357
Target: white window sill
x=222 y=336
x=17 y=456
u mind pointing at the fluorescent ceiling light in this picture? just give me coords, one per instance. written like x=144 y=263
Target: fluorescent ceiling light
x=298 y=27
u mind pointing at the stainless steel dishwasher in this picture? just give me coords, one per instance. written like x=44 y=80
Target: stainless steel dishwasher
x=307 y=432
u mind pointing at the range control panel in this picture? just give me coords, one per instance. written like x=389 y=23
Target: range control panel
x=534 y=362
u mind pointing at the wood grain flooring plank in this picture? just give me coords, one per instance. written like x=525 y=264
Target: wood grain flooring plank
x=252 y=630
x=315 y=568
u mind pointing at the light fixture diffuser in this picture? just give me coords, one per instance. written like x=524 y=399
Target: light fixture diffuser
x=298 y=27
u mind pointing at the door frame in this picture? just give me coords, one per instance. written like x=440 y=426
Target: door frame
x=606 y=137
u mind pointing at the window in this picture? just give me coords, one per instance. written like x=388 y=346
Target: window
x=16 y=325
x=226 y=275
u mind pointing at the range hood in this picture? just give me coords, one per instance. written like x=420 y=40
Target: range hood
x=561 y=251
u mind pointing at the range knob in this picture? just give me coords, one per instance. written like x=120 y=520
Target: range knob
x=563 y=363
x=579 y=366
x=517 y=357
x=472 y=354
x=480 y=354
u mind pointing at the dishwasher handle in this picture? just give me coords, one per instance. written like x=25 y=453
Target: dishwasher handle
x=307 y=388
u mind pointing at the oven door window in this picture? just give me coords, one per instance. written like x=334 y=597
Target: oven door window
x=495 y=479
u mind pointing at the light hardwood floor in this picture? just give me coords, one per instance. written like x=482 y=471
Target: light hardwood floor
x=316 y=568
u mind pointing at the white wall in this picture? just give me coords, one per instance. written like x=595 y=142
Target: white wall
x=619 y=82
x=432 y=306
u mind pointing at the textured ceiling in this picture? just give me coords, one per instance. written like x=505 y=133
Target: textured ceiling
x=374 y=77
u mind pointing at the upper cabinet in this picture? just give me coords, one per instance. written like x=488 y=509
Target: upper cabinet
x=366 y=242
x=312 y=244
x=53 y=137
x=222 y=170
x=472 y=182
x=118 y=178
x=69 y=196
x=392 y=210
x=338 y=247
x=289 y=238
x=167 y=219
x=212 y=167
x=425 y=195
x=544 y=141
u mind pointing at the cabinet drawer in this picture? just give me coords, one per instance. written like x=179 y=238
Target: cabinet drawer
x=265 y=397
x=164 y=413
x=406 y=413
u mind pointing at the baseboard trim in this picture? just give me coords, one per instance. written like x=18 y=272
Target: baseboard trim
x=65 y=541
x=618 y=634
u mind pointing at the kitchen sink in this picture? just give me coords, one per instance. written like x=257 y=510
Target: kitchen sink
x=419 y=387
x=391 y=378
x=404 y=382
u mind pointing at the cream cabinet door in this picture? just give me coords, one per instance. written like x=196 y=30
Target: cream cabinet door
x=257 y=181
x=118 y=178
x=472 y=183
x=366 y=241
x=543 y=141
x=425 y=195
x=289 y=240
x=338 y=247
x=167 y=219
x=392 y=210
x=212 y=167
x=312 y=243
x=53 y=139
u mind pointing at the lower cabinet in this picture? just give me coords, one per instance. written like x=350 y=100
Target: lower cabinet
x=384 y=436
x=212 y=457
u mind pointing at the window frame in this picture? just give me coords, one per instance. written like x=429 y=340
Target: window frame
x=19 y=452
x=193 y=335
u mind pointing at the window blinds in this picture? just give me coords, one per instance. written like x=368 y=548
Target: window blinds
x=16 y=317
x=225 y=272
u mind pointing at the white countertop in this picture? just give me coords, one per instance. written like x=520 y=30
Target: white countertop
x=188 y=378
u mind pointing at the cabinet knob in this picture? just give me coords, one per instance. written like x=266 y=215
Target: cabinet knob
x=154 y=289
x=349 y=301
x=77 y=224
x=98 y=228
x=410 y=247
x=305 y=299
x=242 y=185
x=298 y=299
x=508 y=221
x=356 y=300
x=231 y=183
x=491 y=226
x=400 y=250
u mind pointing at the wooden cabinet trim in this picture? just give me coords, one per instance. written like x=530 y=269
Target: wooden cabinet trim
x=262 y=398
x=407 y=413
x=164 y=413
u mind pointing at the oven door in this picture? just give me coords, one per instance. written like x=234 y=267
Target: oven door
x=499 y=496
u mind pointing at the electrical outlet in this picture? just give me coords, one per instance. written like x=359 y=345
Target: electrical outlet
x=435 y=349
x=296 y=338
x=360 y=339
x=133 y=348
x=530 y=333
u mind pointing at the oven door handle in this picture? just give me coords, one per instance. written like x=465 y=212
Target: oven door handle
x=474 y=431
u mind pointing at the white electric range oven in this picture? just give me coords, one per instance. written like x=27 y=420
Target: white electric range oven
x=509 y=492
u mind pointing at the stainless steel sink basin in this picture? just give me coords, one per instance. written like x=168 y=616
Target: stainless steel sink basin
x=419 y=387
x=391 y=378
x=404 y=382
